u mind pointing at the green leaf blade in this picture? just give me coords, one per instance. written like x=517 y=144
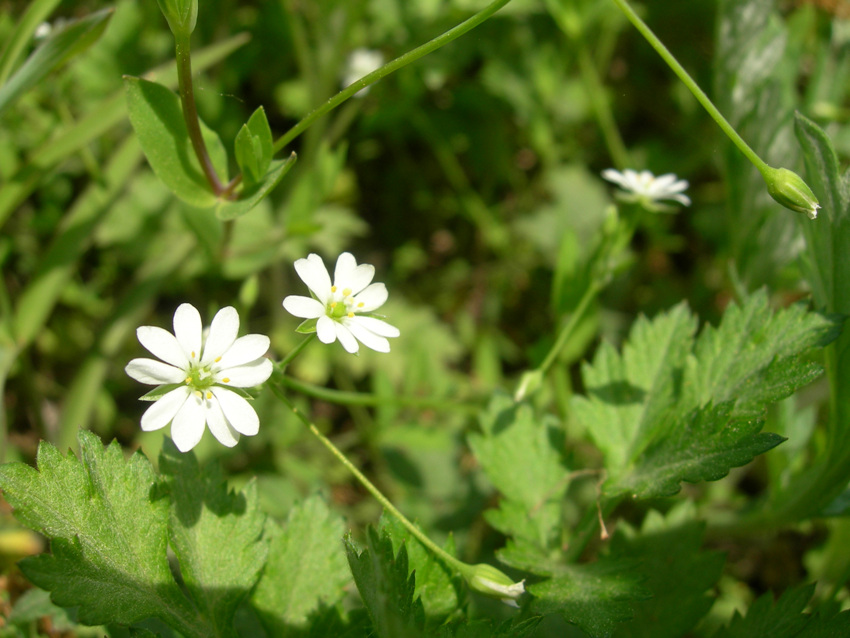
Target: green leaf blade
x=108 y=535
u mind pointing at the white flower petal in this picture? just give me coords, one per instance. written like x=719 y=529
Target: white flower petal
x=162 y=344
x=379 y=327
x=325 y=329
x=188 y=329
x=346 y=338
x=246 y=376
x=349 y=276
x=223 y=331
x=304 y=307
x=238 y=412
x=163 y=410
x=682 y=199
x=613 y=176
x=153 y=372
x=313 y=273
x=218 y=424
x=244 y=350
x=367 y=338
x=372 y=297
x=187 y=427
x=662 y=183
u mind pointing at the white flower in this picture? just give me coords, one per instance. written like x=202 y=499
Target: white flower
x=196 y=371
x=645 y=188
x=339 y=307
x=361 y=62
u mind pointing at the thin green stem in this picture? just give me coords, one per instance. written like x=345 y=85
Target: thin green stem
x=698 y=93
x=368 y=400
x=295 y=352
x=569 y=328
x=395 y=65
x=589 y=526
x=370 y=487
x=190 y=112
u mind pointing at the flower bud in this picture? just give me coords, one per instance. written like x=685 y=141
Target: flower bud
x=529 y=383
x=181 y=15
x=488 y=580
x=789 y=189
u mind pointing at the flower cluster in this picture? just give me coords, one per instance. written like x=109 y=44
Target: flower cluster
x=201 y=375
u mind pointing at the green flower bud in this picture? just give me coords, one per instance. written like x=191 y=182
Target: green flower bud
x=489 y=581
x=789 y=189
x=181 y=15
x=529 y=383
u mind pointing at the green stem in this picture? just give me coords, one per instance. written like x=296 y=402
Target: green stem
x=190 y=112
x=368 y=400
x=295 y=352
x=395 y=65
x=370 y=487
x=698 y=93
x=568 y=329
x=589 y=526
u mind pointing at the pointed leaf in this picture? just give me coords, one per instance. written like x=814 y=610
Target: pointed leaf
x=254 y=147
x=387 y=590
x=157 y=118
x=71 y=40
x=252 y=195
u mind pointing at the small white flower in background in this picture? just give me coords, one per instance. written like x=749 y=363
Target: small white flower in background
x=645 y=188
x=42 y=31
x=361 y=62
x=339 y=307
x=196 y=374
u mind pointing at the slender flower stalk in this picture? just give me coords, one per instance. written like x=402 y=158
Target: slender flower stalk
x=804 y=201
x=483 y=578
x=190 y=111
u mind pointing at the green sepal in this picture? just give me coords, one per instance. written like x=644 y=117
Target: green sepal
x=242 y=392
x=159 y=391
x=308 y=326
x=254 y=147
x=182 y=15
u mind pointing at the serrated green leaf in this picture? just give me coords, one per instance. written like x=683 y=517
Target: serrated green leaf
x=157 y=118
x=387 y=590
x=670 y=409
x=518 y=452
x=677 y=573
x=436 y=585
x=782 y=619
x=252 y=195
x=703 y=446
x=254 y=147
x=306 y=568
x=514 y=628
x=204 y=518
x=596 y=597
x=108 y=537
x=65 y=43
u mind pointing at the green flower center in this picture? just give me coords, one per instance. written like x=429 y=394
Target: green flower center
x=200 y=378
x=344 y=307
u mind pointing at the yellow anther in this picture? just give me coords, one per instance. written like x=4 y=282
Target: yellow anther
x=361 y=304
x=188 y=380
x=350 y=315
x=198 y=394
x=333 y=288
x=226 y=380
x=333 y=304
x=193 y=354
x=217 y=359
x=346 y=292
x=209 y=394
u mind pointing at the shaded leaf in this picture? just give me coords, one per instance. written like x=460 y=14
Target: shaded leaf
x=252 y=195
x=206 y=517
x=306 y=567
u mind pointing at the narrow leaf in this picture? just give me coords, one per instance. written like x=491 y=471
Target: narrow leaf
x=254 y=147
x=71 y=40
